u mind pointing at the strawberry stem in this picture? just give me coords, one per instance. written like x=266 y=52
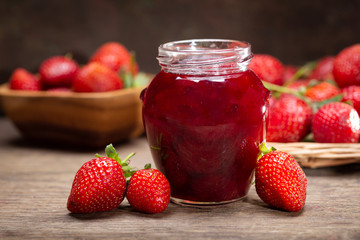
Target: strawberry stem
x=281 y=89
x=110 y=152
x=127 y=159
x=132 y=63
x=302 y=71
x=69 y=55
x=264 y=149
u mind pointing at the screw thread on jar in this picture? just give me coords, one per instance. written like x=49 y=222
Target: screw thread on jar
x=205 y=56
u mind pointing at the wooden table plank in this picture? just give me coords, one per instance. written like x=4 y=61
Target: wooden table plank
x=35 y=182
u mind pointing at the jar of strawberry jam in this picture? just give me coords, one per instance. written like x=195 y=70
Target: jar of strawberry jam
x=204 y=115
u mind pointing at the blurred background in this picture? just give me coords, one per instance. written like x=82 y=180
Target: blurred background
x=293 y=31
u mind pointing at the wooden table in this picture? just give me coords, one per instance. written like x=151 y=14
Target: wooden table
x=35 y=182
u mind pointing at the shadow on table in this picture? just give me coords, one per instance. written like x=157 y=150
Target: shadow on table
x=121 y=211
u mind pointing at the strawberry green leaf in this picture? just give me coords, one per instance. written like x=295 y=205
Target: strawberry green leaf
x=69 y=56
x=309 y=138
x=282 y=89
x=126 y=168
x=127 y=159
x=128 y=174
x=111 y=152
x=302 y=90
x=303 y=71
x=331 y=81
x=147 y=166
x=264 y=149
x=141 y=80
x=128 y=79
x=313 y=83
x=132 y=62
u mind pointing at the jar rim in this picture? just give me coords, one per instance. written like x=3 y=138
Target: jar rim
x=199 y=56
x=192 y=46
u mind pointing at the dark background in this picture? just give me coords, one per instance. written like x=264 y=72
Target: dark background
x=293 y=31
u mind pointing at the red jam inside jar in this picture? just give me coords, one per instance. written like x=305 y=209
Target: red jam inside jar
x=204 y=115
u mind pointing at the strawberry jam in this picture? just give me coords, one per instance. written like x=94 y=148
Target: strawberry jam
x=204 y=116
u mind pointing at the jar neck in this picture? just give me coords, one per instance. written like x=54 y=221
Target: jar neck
x=205 y=56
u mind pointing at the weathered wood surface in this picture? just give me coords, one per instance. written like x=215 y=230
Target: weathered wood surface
x=35 y=182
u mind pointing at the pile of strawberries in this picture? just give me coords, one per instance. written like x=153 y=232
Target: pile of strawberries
x=111 y=67
x=319 y=101
x=102 y=183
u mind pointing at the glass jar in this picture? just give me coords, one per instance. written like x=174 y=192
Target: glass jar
x=204 y=115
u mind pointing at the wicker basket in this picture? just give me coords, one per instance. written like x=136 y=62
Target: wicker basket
x=314 y=155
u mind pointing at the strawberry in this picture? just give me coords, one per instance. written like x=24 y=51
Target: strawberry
x=58 y=71
x=336 y=122
x=115 y=56
x=352 y=94
x=21 y=79
x=323 y=69
x=322 y=91
x=268 y=68
x=148 y=191
x=96 y=77
x=346 y=69
x=280 y=181
x=100 y=184
x=289 y=119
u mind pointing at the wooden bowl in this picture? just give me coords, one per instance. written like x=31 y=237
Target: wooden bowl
x=82 y=119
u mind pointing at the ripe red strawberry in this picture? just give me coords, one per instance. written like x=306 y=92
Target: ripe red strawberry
x=347 y=66
x=148 y=191
x=322 y=91
x=323 y=69
x=58 y=71
x=280 y=181
x=115 y=56
x=289 y=120
x=96 y=77
x=352 y=94
x=100 y=184
x=21 y=79
x=336 y=122
x=268 y=68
